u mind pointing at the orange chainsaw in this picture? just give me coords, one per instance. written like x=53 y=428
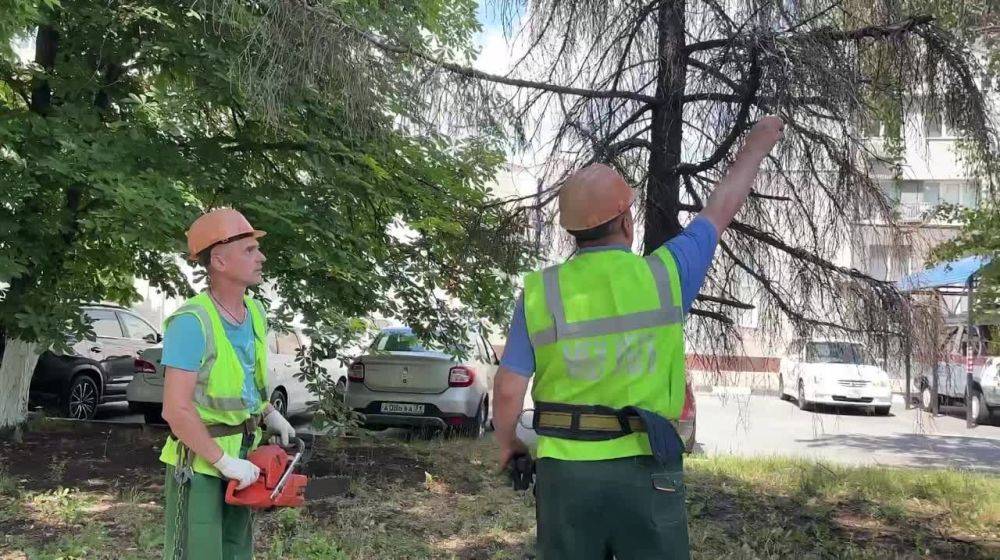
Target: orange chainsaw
x=278 y=485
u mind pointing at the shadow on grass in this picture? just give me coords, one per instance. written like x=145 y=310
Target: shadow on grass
x=728 y=515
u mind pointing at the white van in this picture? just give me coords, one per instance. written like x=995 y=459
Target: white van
x=952 y=376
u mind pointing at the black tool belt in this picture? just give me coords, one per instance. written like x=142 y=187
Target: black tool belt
x=584 y=422
x=601 y=423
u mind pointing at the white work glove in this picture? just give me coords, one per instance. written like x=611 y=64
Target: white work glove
x=241 y=470
x=277 y=425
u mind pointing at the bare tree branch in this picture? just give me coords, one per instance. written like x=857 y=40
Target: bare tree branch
x=724 y=301
x=742 y=123
x=715 y=73
x=711 y=315
x=469 y=72
x=868 y=32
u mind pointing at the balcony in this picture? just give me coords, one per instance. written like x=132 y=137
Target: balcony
x=909 y=212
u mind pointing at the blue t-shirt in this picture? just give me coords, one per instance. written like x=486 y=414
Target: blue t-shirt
x=184 y=346
x=692 y=249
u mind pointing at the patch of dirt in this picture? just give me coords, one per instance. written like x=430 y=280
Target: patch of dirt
x=91 y=456
x=377 y=464
x=854 y=520
x=29 y=529
x=484 y=549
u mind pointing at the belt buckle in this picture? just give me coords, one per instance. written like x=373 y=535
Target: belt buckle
x=623 y=422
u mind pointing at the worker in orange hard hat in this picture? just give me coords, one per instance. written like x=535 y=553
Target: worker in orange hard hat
x=602 y=337
x=215 y=393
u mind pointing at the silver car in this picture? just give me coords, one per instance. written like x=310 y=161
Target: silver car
x=400 y=383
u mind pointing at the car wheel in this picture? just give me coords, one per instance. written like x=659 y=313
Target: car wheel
x=279 y=400
x=476 y=427
x=82 y=398
x=980 y=412
x=803 y=405
x=927 y=398
x=882 y=410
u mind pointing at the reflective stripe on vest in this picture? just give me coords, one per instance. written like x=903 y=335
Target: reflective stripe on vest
x=607 y=330
x=218 y=394
x=668 y=313
x=202 y=308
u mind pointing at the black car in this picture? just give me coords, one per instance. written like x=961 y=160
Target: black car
x=95 y=372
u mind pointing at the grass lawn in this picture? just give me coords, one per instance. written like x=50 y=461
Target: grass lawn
x=444 y=499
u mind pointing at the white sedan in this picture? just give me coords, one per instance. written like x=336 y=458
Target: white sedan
x=286 y=392
x=833 y=372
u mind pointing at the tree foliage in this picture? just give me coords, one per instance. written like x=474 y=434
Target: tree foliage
x=129 y=121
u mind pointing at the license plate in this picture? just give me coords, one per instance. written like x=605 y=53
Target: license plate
x=402 y=408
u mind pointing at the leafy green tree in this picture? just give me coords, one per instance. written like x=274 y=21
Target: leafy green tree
x=129 y=122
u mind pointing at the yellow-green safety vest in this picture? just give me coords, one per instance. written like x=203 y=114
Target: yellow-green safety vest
x=218 y=394
x=607 y=328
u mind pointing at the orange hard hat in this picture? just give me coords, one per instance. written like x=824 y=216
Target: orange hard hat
x=218 y=226
x=593 y=196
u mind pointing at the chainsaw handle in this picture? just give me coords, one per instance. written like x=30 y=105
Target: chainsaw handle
x=301 y=445
x=233 y=496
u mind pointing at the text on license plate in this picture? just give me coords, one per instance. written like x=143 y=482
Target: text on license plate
x=402 y=408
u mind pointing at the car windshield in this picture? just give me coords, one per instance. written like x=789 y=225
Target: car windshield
x=835 y=353
x=403 y=340
x=399 y=341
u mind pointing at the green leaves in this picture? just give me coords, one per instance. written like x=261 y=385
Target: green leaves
x=148 y=127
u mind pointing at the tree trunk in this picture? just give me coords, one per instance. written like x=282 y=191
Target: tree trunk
x=663 y=186
x=16 y=367
x=20 y=357
x=46 y=45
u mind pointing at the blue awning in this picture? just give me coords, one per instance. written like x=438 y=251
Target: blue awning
x=954 y=273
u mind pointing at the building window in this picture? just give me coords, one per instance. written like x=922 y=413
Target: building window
x=889 y=262
x=873 y=128
x=878 y=267
x=960 y=194
x=937 y=125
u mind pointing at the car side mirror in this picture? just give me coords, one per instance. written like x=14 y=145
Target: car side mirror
x=153 y=338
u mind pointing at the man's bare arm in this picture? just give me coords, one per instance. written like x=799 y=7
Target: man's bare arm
x=732 y=191
x=181 y=415
x=508 y=396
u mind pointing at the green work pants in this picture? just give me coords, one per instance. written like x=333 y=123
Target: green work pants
x=626 y=509
x=210 y=529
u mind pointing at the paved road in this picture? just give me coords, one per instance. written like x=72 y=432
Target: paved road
x=758 y=425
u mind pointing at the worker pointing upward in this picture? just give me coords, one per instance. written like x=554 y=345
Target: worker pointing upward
x=215 y=355
x=603 y=335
